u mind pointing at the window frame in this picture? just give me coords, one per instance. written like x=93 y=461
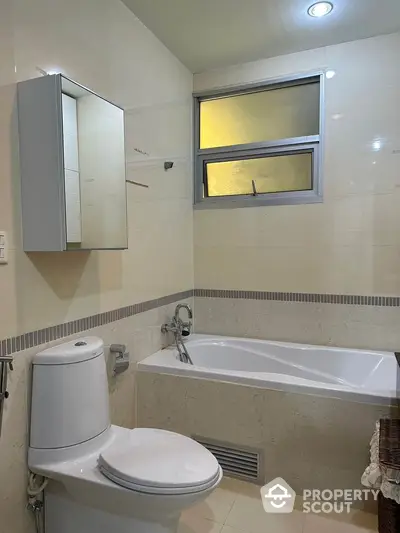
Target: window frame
x=311 y=144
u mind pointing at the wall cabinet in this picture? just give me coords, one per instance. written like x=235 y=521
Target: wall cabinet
x=72 y=165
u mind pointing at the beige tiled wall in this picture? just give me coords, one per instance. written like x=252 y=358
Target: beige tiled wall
x=351 y=242
x=102 y=45
x=310 y=441
x=350 y=326
x=142 y=336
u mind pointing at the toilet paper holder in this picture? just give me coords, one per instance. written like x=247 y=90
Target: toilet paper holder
x=121 y=358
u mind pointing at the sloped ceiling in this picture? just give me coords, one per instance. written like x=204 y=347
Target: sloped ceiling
x=206 y=34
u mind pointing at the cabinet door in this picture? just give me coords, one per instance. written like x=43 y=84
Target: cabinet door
x=41 y=164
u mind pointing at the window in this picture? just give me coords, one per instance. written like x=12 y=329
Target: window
x=259 y=145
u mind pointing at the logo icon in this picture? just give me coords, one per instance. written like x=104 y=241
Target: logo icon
x=278 y=496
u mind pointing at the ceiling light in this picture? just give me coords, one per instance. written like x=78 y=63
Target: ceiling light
x=320 y=9
x=330 y=74
x=376 y=145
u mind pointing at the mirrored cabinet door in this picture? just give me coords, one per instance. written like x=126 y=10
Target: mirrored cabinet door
x=72 y=161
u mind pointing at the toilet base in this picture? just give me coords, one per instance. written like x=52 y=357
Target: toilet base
x=63 y=515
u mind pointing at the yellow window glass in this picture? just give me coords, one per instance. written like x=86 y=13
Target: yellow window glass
x=267 y=115
x=281 y=173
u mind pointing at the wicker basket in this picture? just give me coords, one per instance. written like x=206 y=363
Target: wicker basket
x=388 y=515
x=389 y=443
x=389 y=457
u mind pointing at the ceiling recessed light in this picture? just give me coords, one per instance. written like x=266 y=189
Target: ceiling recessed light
x=376 y=145
x=320 y=9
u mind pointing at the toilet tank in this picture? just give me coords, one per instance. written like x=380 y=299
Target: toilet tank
x=69 y=394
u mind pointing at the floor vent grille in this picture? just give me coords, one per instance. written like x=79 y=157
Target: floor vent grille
x=243 y=463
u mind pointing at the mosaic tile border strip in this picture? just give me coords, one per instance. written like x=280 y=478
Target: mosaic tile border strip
x=341 y=299
x=52 y=333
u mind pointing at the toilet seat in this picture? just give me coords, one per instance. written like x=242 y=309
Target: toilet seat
x=155 y=461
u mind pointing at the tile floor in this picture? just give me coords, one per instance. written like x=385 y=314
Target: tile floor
x=235 y=507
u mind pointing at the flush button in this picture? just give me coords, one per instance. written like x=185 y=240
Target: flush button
x=81 y=343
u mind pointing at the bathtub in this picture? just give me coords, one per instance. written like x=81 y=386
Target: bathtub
x=309 y=411
x=355 y=375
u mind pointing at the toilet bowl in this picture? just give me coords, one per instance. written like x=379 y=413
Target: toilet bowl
x=102 y=477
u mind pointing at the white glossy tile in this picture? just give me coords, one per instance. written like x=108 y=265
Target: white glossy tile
x=7 y=72
x=247 y=514
x=8 y=312
x=348 y=243
x=130 y=66
x=322 y=324
x=192 y=523
x=319 y=524
x=359 y=519
x=216 y=507
x=258 y=70
x=237 y=487
x=229 y=529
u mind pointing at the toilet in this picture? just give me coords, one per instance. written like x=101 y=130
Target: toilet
x=106 y=478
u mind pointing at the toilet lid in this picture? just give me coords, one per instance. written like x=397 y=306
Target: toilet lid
x=159 y=462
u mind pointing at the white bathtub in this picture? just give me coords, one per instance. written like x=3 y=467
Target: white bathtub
x=358 y=375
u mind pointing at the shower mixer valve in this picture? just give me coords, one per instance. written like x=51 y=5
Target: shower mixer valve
x=180 y=329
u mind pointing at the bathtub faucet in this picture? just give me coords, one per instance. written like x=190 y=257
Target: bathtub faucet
x=186 y=326
x=180 y=329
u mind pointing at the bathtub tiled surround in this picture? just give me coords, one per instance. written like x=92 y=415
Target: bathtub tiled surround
x=230 y=324
x=374 y=327
x=310 y=441
x=235 y=507
x=142 y=335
